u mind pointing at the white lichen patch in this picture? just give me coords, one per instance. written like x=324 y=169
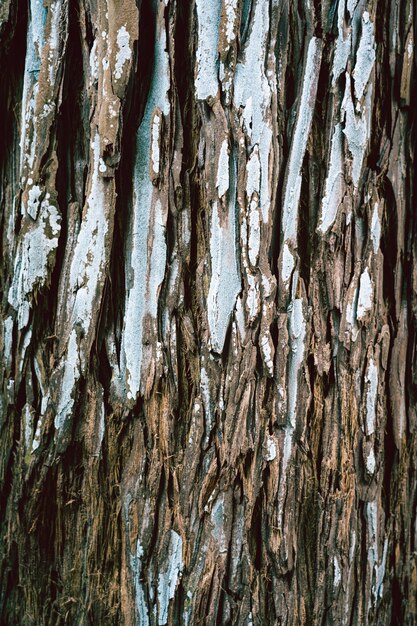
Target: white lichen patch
x=47 y=109
x=254 y=233
x=351 y=307
x=71 y=374
x=286 y=455
x=124 y=52
x=356 y=132
x=32 y=259
x=378 y=587
x=246 y=121
x=334 y=188
x=222 y=181
x=376 y=565
x=375 y=228
x=140 y=599
x=217 y=520
x=86 y=277
x=87 y=266
x=371 y=383
x=343 y=44
x=28 y=138
x=93 y=63
x=27 y=418
x=372 y=535
x=34 y=195
x=337 y=574
x=37 y=436
x=253 y=173
x=244 y=237
x=267 y=352
x=101 y=166
x=156 y=133
x=207 y=402
x=226 y=79
x=297 y=332
x=144 y=271
x=253 y=302
x=264 y=150
x=299 y=141
x=37 y=23
x=271 y=449
x=157 y=259
x=268 y=285
x=351 y=6
x=167 y=581
x=8 y=340
x=358 y=119
x=281 y=398
x=135 y=562
x=208 y=17
x=365 y=56
x=240 y=318
x=352 y=547
x=370 y=462
x=225 y=281
x=231 y=8
x=252 y=92
x=288 y=263
x=34 y=45
x=366 y=292
x=53 y=40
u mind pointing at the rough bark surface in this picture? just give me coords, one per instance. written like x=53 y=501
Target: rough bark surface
x=208 y=303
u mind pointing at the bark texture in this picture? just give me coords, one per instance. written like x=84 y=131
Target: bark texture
x=208 y=304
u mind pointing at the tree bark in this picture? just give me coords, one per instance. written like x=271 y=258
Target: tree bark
x=208 y=306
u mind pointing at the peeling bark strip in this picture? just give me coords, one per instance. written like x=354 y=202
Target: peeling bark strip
x=208 y=305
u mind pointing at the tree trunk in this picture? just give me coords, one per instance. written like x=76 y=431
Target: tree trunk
x=209 y=302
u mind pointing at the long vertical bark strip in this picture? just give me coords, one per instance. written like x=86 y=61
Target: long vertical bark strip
x=41 y=218
x=86 y=281
x=146 y=266
x=207 y=406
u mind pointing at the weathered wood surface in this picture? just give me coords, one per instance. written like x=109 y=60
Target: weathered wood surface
x=208 y=305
